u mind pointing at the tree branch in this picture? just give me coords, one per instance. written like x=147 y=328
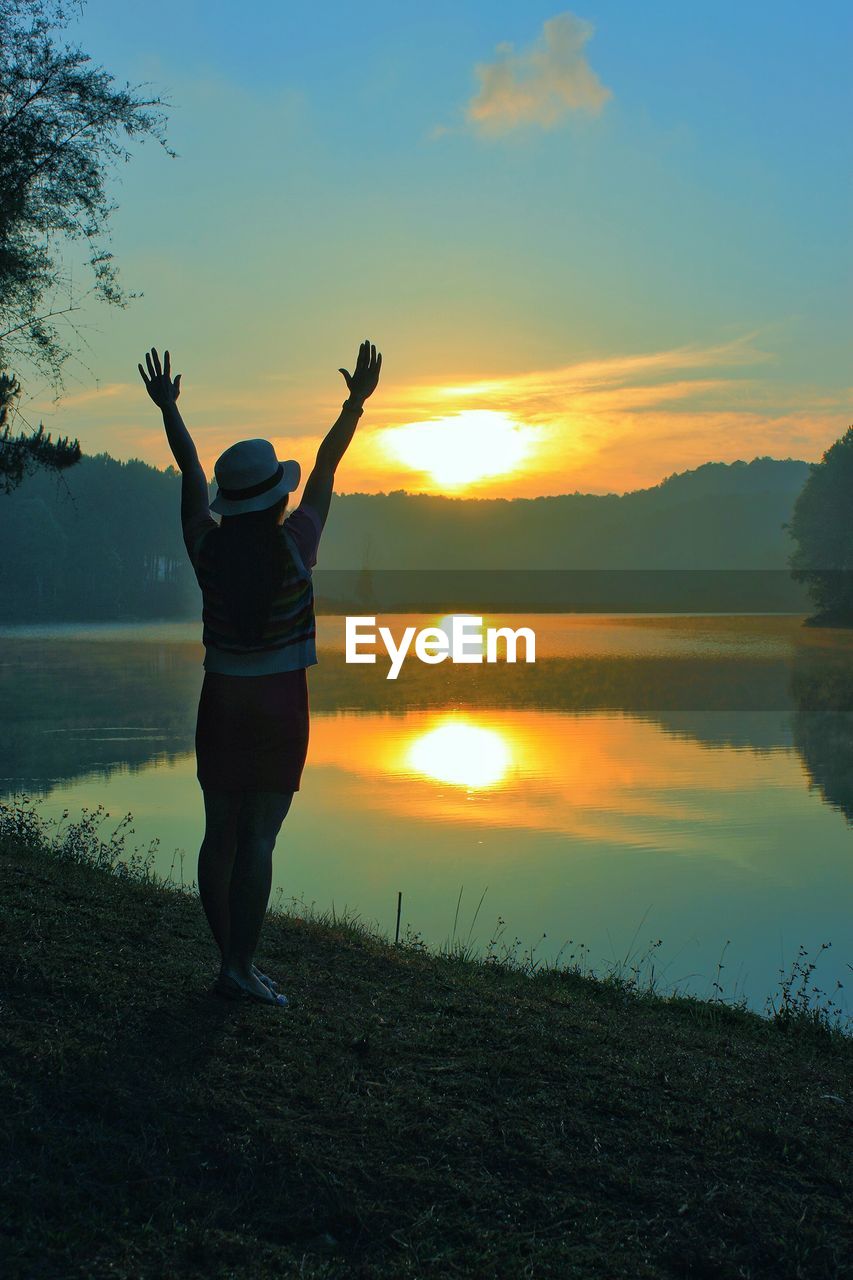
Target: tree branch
x=48 y=315
x=5 y=126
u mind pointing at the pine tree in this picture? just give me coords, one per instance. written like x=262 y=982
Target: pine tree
x=24 y=453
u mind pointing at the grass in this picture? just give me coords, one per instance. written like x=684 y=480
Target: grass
x=411 y=1114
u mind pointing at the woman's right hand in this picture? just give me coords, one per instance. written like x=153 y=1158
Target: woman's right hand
x=362 y=383
x=159 y=385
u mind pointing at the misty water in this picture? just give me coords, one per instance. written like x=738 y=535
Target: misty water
x=668 y=791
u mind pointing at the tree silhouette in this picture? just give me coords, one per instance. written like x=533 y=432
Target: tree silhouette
x=24 y=453
x=822 y=527
x=64 y=124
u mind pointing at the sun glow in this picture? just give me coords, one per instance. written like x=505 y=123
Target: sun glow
x=458 y=450
x=462 y=754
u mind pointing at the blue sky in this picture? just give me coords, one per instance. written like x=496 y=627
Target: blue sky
x=496 y=207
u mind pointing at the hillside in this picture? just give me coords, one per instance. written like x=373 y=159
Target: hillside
x=720 y=516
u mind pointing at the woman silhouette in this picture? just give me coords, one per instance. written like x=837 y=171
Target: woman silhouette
x=254 y=570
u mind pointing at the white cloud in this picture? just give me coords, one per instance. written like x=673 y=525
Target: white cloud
x=540 y=85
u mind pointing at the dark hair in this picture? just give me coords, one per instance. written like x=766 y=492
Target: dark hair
x=249 y=558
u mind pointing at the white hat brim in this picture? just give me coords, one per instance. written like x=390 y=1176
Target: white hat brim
x=238 y=507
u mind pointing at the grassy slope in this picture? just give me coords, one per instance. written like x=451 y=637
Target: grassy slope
x=408 y=1115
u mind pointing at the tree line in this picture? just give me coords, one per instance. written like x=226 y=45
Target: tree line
x=103 y=542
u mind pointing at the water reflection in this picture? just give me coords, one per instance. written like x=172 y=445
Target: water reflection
x=595 y=777
x=460 y=752
x=89 y=702
x=822 y=686
x=697 y=768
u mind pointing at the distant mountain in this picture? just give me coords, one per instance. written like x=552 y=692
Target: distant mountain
x=104 y=540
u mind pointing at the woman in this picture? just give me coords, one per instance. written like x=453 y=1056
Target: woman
x=254 y=570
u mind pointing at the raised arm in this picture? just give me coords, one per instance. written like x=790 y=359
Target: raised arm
x=164 y=392
x=360 y=384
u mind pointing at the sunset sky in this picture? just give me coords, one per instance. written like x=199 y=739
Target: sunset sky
x=594 y=246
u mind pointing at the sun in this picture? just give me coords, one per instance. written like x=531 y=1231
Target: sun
x=458 y=450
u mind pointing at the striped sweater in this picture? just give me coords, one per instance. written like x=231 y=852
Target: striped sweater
x=288 y=640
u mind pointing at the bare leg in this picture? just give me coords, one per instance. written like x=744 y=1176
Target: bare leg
x=216 y=860
x=259 y=823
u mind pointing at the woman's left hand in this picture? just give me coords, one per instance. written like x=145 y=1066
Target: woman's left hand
x=159 y=385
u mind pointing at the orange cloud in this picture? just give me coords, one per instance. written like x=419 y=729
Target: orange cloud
x=540 y=85
x=607 y=424
x=604 y=424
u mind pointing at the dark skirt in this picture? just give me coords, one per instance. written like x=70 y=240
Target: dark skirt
x=252 y=731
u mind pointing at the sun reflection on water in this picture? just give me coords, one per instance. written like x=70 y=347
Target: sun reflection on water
x=460 y=753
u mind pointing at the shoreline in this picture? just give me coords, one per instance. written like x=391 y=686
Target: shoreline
x=410 y=1114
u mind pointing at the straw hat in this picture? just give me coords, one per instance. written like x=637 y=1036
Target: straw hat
x=250 y=477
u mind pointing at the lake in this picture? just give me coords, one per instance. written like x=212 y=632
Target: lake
x=666 y=790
